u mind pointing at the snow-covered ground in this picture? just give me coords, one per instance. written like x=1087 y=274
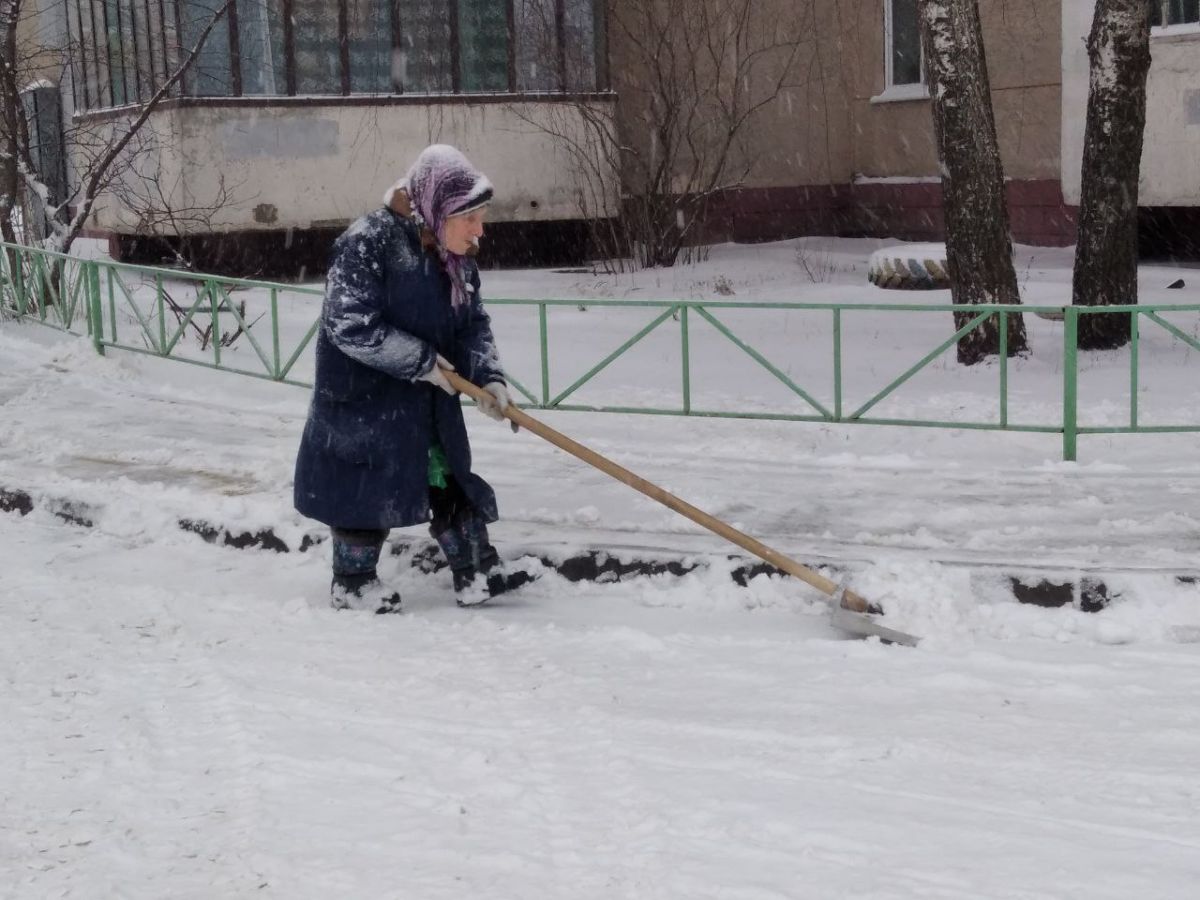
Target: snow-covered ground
x=187 y=720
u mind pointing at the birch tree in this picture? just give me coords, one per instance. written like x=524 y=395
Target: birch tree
x=1106 y=254
x=978 y=242
x=14 y=129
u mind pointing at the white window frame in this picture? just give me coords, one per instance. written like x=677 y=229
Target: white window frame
x=892 y=92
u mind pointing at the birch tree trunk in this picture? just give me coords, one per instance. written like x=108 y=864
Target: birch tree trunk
x=978 y=243
x=1106 y=255
x=10 y=109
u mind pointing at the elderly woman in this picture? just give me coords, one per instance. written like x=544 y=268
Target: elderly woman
x=385 y=444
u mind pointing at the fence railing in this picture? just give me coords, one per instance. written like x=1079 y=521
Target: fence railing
x=198 y=319
x=118 y=304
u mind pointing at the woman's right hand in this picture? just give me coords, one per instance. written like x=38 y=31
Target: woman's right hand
x=436 y=377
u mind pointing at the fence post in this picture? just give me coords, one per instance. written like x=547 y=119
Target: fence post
x=685 y=353
x=7 y=283
x=1003 y=369
x=18 y=276
x=544 y=343
x=277 y=369
x=95 y=308
x=837 y=364
x=1134 y=339
x=1070 y=382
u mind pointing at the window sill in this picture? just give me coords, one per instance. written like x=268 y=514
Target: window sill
x=902 y=93
x=1168 y=34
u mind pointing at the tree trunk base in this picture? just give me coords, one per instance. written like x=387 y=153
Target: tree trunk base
x=1104 y=332
x=976 y=346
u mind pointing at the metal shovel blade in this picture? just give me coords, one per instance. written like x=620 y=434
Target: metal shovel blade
x=864 y=625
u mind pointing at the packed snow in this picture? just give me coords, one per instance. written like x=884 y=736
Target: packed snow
x=189 y=720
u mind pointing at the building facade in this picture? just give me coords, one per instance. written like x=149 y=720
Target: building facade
x=867 y=128
x=297 y=115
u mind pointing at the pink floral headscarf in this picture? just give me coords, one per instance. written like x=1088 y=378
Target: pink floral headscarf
x=443 y=183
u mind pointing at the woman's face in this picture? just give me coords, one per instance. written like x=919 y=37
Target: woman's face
x=462 y=232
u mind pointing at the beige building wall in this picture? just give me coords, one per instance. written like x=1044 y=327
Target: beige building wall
x=154 y=166
x=836 y=153
x=803 y=137
x=833 y=123
x=895 y=137
x=799 y=138
x=312 y=165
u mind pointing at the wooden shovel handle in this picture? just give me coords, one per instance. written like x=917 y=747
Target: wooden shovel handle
x=851 y=600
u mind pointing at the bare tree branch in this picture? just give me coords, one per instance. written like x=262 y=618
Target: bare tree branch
x=97 y=171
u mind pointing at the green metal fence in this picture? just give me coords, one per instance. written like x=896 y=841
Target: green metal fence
x=150 y=310
x=153 y=311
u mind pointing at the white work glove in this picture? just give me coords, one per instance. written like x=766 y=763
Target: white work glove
x=494 y=401
x=436 y=377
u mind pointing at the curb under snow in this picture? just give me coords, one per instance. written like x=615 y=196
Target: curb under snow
x=1087 y=593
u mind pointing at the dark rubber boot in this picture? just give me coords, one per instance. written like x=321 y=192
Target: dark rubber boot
x=355 y=583
x=363 y=591
x=468 y=589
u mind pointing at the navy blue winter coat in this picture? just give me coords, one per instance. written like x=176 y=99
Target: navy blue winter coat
x=364 y=457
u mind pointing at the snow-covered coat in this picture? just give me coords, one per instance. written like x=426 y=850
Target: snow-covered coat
x=364 y=457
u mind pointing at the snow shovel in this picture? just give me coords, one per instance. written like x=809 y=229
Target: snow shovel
x=850 y=611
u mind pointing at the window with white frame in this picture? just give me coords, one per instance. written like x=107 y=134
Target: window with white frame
x=1165 y=13
x=902 y=36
